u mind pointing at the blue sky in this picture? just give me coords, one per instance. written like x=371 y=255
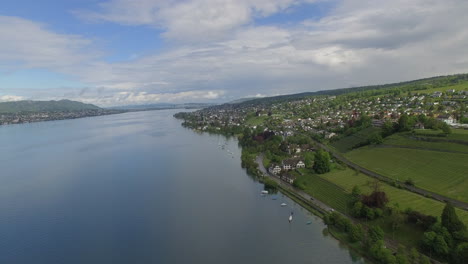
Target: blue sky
x=114 y=52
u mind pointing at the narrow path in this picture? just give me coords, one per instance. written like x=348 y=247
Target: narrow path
x=426 y=193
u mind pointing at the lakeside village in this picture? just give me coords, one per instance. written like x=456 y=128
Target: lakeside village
x=290 y=134
x=329 y=118
x=31 y=117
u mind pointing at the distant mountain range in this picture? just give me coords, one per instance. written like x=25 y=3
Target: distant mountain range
x=162 y=106
x=241 y=100
x=45 y=106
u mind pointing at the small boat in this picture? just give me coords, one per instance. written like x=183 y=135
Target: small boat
x=290 y=218
x=264 y=192
x=283 y=204
x=309 y=222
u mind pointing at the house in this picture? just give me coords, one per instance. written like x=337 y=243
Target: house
x=287 y=166
x=288 y=178
x=275 y=169
x=290 y=164
x=447 y=119
x=300 y=164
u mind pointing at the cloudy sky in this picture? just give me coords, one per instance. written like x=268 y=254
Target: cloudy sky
x=117 y=52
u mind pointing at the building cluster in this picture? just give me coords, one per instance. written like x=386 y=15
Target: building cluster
x=327 y=116
x=281 y=170
x=27 y=117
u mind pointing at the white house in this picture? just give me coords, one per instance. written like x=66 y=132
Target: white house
x=275 y=169
x=447 y=119
x=300 y=164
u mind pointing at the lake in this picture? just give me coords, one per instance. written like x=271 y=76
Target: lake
x=139 y=188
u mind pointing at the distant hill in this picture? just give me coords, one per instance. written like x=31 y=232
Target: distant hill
x=241 y=100
x=415 y=85
x=45 y=106
x=161 y=106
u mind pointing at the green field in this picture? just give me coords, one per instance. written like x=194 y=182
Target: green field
x=458 y=87
x=457 y=134
x=255 y=120
x=347 y=143
x=405 y=140
x=325 y=191
x=440 y=172
x=348 y=178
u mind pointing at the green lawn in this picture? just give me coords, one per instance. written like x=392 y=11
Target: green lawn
x=325 y=191
x=404 y=140
x=440 y=172
x=255 y=120
x=348 y=178
x=347 y=143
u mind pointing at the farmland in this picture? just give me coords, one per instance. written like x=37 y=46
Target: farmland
x=440 y=172
x=325 y=191
x=347 y=143
x=406 y=141
x=348 y=178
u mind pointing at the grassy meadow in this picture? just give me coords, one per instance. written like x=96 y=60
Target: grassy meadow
x=348 y=178
x=440 y=172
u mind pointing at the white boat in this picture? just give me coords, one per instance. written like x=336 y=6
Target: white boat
x=264 y=192
x=283 y=204
x=290 y=218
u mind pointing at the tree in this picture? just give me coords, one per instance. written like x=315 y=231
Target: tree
x=414 y=256
x=387 y=129
x=460 y=255
x=308 y=159
x=375 y=139
x=356 y=233
x=396 y=219
x=401 y=255
x=450 y=220
x=435 y=243
x=322 y=162
x=375 y=233
x=376 y=199
x=445 y=128
x=404 y=123
x=356 y=192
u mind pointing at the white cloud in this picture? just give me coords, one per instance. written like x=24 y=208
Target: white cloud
x=10 y=98
x=193 y=21
x=26 y=44
x=220 y=54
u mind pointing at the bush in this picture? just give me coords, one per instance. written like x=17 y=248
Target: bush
x=409 y=182
x=426 y=221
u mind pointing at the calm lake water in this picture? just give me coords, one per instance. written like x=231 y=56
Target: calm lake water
x=139 y=188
